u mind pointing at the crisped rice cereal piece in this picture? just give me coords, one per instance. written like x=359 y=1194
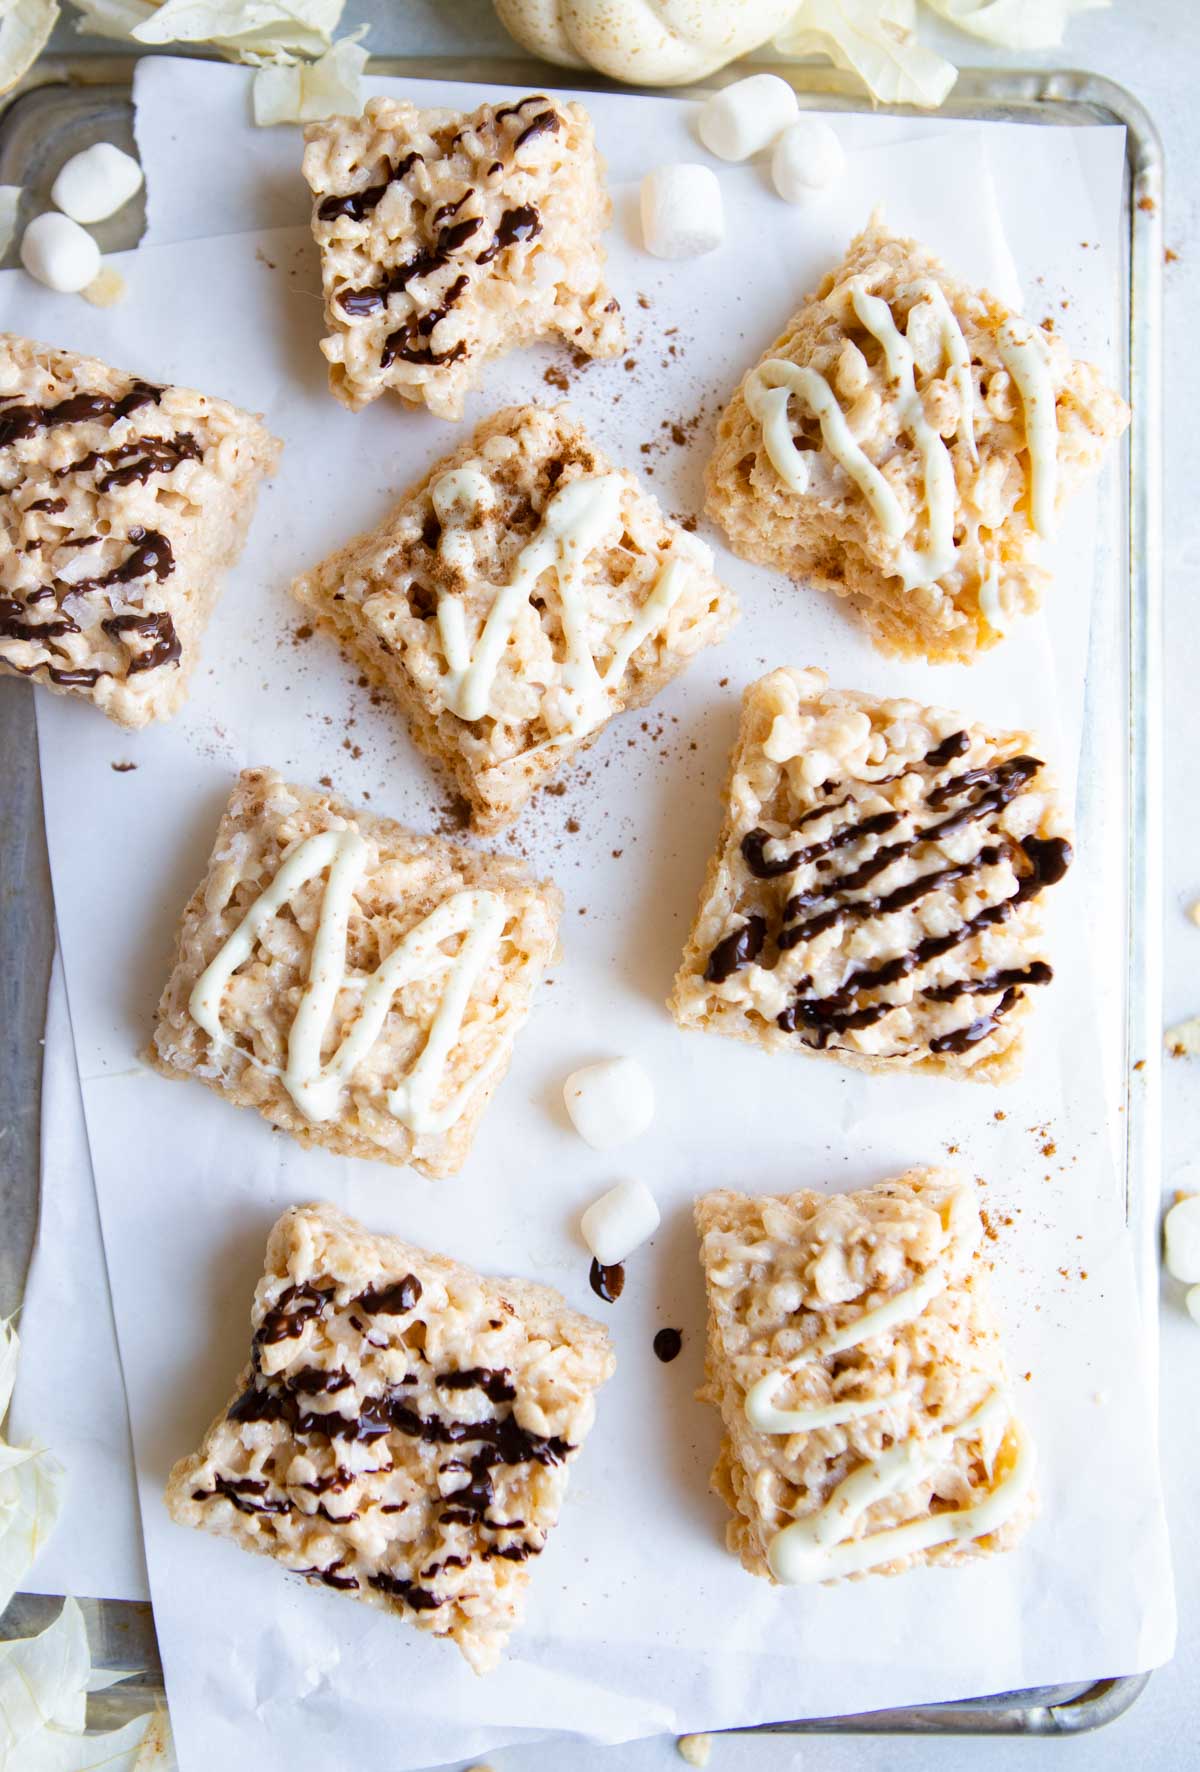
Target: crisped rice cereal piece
x=360 y=985
x=449 y=239
x=402 y=1430
x=874 y=892
x=904 y=444
x=515 y=600
x=853 y=1355
x=122 y=504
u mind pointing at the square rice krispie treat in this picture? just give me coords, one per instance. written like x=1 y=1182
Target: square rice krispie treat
x=448 y=239
x=515 y=600
x=873 y=896
x=904 y=444
x=358 y=984
x=854 y=1358
x=121 y=505
x=402 y=1429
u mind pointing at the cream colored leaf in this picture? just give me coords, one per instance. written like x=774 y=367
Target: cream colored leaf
x=330 y=87
x=43 y=1680
x=25 y=26
x=112 y=18
x=30 y=1500
x=1015 y=24
x=303 y=25
x=118 y=1750
x=875 y=39
x=10 y=1341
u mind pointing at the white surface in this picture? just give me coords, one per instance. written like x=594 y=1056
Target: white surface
x=69 y=1392
x=141 y=1214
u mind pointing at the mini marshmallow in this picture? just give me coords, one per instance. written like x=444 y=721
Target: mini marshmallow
x=695 y=1749
x=96 y=183
x=746 y=117
x=1192 y=1299
x=807 y=159
x=615 y=1224
x=56 y=251
x=610 y=1102
x=1182 y=1232
x=682 y=214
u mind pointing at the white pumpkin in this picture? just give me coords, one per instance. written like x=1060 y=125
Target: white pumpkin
x=644 y=42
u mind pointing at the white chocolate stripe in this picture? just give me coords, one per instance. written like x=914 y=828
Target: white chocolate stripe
x=1024 y=354
x=317 y=1088
x=820 y=1547
x=767 y=1419
x=767 y=391
x=573 y=524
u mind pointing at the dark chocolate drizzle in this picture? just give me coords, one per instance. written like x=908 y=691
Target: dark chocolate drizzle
x=520 y=224
x=330 y=1576
x=135 y=461
x=607 y=1283
x=497 y=1386
x=399 y=1588
x=20 y=422
x=739 y=948
x=297 y=1306
x=393 y=1300
x=981 y=792
x=358 y=205
x=158 y=628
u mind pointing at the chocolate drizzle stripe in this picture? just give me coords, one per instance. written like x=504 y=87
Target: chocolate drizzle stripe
x=157 y=628
x=884 y=906
x=20 y=422
x=358 y=205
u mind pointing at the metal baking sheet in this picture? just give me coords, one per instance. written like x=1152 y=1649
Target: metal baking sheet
x=65 y=104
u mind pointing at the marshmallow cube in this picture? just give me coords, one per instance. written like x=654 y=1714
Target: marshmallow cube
x=614 y=1225
x=56 y=251
x=808 y=158
x=682 y=213
x=746 y=117
x=1182 y=1232
x=610 y=1102
x=96 y=183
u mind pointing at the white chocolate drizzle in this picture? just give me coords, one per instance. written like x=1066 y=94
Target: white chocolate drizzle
x=821 y=1547
x=769 y=387
x=576 y=520
x=316 y=1087
x=990 y=606
x=1025 y=355
x=902 y=1307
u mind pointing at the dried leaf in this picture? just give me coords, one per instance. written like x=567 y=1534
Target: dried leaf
x=44 y=1683
x=24 y=27
x=1015 y=24
x=875 y=39
x=252 y=31
x=330 y=87
x=30 y=1500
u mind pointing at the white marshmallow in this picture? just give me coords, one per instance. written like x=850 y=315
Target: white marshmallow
x=746 y=117
x=96 y=183
x=615 y=1224
x=610 y=1102
x=1192 y=1299
x=56 y=251
x=1182 y=1232
x=808 y=158
x=682 y=213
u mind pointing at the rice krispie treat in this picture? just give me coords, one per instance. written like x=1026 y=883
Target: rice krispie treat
x=121 y=505
x=904 y=444
x=854 y=1358
x=515 y=600
x=402 y=1430
x=448 y=239
x=873 y=896
x=360 y=985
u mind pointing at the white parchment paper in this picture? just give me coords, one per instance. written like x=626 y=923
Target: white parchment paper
x=638 y=1621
